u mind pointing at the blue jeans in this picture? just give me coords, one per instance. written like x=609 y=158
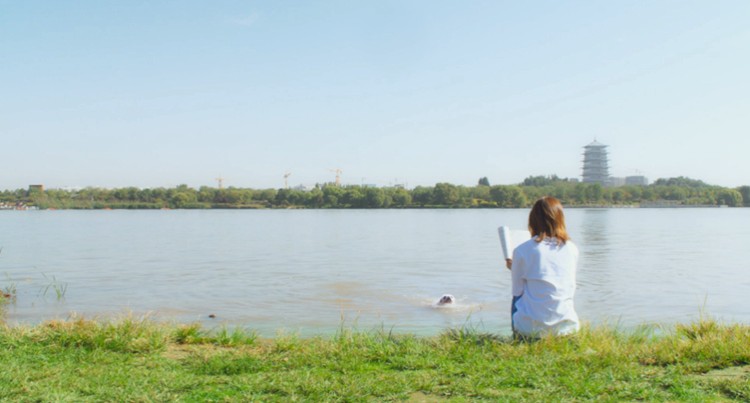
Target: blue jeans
x=513 y=310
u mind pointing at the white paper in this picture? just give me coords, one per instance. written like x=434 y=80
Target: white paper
x=509 y=239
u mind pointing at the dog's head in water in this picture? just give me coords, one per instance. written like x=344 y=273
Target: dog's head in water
x=446 y=299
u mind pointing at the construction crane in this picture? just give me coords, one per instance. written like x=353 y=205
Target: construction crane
x=286 y=183
x=221 y=182
x=338 y=172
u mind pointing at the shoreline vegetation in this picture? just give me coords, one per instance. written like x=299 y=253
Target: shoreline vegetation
x=133 y=359
x=672 y=192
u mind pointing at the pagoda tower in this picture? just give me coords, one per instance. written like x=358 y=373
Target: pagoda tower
x=595 y=163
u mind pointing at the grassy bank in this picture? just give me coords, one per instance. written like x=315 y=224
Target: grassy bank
x=137 y=360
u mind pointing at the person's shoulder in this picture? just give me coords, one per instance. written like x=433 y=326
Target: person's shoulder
x=572 y=246
x=528 y=244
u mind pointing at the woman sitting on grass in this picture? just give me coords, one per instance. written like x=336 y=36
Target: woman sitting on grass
x=544 y=275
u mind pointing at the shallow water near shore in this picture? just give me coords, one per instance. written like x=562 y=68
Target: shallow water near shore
x=313 y=271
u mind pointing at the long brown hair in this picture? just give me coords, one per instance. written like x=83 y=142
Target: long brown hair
x=547 y=220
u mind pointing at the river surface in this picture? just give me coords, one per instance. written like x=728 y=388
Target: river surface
x=313 y=271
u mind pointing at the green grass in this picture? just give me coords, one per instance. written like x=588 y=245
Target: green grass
x=8 y=293
x=139 y=360
x=57 y=286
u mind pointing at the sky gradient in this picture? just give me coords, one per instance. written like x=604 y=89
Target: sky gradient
x=161 y=93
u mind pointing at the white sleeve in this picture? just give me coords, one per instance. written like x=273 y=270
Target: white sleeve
x=574 y=257
x=516 y=270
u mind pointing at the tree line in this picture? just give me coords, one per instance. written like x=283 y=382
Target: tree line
x=676 y=191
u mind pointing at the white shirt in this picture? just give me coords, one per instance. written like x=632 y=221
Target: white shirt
x=544 y=275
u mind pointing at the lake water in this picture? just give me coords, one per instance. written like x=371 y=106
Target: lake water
x=309 y=271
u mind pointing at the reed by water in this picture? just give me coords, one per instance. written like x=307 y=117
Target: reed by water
x=135 y=359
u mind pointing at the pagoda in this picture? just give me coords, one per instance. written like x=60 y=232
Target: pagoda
x=595 y=163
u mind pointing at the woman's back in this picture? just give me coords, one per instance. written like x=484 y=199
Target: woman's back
x=544 y=277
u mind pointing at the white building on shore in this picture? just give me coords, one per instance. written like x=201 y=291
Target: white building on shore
x=595 y=164
x=596 y=168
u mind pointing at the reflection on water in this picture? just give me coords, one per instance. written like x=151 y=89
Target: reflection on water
x=595 y=248
x=595 y=244
x=309 y=271
x=595 y=235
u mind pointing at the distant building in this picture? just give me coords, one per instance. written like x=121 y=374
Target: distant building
x=628 y=180
x=36 y=189
x=638 y=180
x=616 y=181
x=595 y=164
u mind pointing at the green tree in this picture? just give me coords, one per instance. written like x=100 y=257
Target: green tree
x=446 y=194
x=729 y=197
x=422 y=195
x=618 y=195
x=483 y=181
x=649 y=194
x=680 y=181
x=126 y=194
x=332 y=195
x=314 y=198
x=634 y=193
x=374 y=197
x=508 y=196
x=266 y=196
x=354 y=197
x=580 y=193
x=207 y=194
x=283 y=197
x=595 y=193
x=540 y=180
x=235 y=196
x=517 y=197
x=745 y=193
x=562 y=191
x=672 y=192
x=498 y=194
x=182 y=199
x=401 y=198
x=480 y=193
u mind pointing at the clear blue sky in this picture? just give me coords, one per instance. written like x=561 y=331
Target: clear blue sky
x=160 y=93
